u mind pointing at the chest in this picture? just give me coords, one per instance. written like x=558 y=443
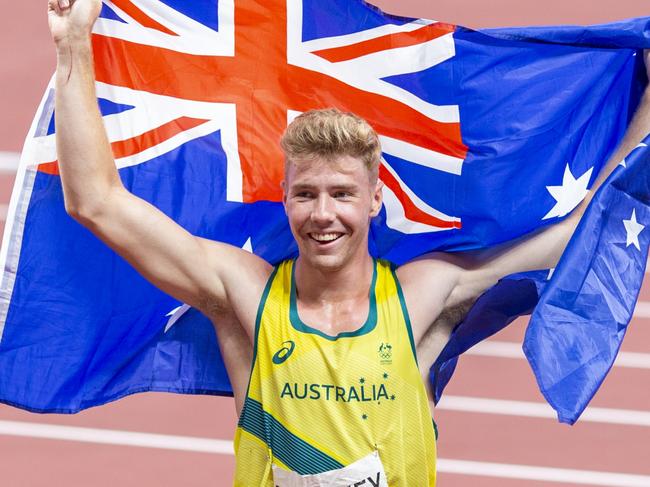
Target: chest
x=333 y=318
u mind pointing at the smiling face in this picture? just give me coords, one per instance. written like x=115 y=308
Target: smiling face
x=329 y=203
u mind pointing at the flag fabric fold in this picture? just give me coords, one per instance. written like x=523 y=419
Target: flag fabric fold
x=486 y=135
x=579 y=323
x=581 y=309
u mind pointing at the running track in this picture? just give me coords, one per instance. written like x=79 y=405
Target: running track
x=495 y=428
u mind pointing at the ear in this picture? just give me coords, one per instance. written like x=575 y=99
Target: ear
x=377 y=198
x=283 y=185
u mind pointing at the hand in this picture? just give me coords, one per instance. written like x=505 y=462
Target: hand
x=72 y=19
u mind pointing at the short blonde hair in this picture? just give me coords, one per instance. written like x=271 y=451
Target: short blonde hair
x=330 y=132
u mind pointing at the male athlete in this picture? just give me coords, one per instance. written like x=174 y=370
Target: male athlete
x=320 y=405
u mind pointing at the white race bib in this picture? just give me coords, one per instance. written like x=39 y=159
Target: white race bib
x=367 y=472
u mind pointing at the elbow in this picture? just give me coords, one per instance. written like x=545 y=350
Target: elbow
x=89 y=207
x=86 y=212
x=80 y=213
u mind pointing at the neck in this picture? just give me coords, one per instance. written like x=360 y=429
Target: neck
x=352 y=281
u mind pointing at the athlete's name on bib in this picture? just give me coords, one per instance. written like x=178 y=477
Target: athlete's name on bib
x=368 y=481
x=330 y=392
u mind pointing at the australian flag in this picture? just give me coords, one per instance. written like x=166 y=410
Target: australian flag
x=486 y=135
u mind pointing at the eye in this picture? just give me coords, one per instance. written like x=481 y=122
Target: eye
x=342 y=194
x=303 y=195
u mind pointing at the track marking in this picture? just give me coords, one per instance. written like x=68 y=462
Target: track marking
x=642 y=309
x=9 y=162
x=115 y=437
x=540 y=410
x=528 y=472
x=493 y=348
x=225 y=447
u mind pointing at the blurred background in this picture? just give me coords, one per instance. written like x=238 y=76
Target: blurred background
x=499 y=433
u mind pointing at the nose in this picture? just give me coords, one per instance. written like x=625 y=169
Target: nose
x=323 y=211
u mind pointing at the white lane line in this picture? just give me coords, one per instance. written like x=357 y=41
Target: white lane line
x=540 y=410
x=528 y=472
x=9 y=162
x=225 y=447
x=642 y=309
x=493 y=348
x=115 y=437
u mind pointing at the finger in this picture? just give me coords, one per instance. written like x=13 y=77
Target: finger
x=53 y=5
x=64 y=4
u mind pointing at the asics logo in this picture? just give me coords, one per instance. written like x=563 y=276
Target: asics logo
x=284 y=353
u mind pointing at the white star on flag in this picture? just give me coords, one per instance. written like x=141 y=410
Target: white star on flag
x=633 y=228
x=624 y=161
x=569 y=194
x=176 y=313
x=248 y=245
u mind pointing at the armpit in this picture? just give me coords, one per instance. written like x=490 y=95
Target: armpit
x=436 y=337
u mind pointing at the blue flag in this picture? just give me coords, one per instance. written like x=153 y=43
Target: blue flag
x=486 y=136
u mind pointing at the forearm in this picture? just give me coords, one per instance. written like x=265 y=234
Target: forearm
x=556 y=238
x=85 y=159
x=543 y=249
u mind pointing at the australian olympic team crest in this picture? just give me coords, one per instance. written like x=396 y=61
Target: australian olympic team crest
x=385 y=353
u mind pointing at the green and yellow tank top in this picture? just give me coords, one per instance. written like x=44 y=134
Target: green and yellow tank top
x=317 y=403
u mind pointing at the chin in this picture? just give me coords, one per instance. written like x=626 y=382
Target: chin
x=325 y=262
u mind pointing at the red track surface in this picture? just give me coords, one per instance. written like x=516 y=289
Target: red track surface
x=509 y=439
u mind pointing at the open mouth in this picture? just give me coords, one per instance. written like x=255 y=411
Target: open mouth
x=325 y=238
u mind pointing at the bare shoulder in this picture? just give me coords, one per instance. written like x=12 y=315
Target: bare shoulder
x=437 y=272
x=428 y=282
x=243 y=276
x=437 y=300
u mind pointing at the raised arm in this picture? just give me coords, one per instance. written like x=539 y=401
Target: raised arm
x=199 y=272
x=460 y=278
x=543 y=249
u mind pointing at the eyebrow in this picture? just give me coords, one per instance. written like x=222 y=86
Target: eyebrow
x=338 y=187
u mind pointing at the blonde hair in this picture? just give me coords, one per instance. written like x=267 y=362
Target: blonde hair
x=330 y=132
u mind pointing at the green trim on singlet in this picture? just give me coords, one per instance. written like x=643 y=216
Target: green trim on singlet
x=290 y=449
x=367 y=327
x=258 y=320
x=260 y=311
x=405 y=311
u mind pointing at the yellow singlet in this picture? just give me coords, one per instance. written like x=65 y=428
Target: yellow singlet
x=317 y=403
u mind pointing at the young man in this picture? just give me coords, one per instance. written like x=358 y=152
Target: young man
x=319 y=400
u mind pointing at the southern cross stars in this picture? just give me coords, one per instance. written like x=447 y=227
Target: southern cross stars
x=633 y=228
x=569 y=194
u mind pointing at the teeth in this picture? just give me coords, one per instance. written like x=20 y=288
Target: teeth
x=325 y=237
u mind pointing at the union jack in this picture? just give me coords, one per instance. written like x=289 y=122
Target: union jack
x=253 y=75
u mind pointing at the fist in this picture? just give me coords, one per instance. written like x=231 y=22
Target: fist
x=70 y=19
